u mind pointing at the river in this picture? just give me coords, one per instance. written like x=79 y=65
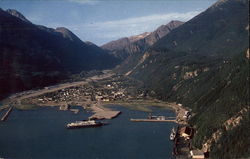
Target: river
x=41 y=133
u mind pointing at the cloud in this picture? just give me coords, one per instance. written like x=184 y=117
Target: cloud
x=104 y=31
x=141 y=21
x=132 y=26
x=84 y=1
x=34 y=18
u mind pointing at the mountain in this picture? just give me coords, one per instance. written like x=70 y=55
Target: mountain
x=122 y=43
x=124 y=47
x=204 y=64
x=17 y=14
x=220 y=29
x=68 y=34
x=162 y=31
x=33 y=56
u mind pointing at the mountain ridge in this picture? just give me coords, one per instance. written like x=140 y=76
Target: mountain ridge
x=66 y=33
x=17 y=14
x=34 y=56
x=204 y=65
x=222 y=14
x=124 y=47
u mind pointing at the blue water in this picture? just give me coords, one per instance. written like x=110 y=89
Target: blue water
x=42 y=134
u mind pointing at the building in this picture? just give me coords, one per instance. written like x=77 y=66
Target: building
x=187 y=115
x=98 y=97
x=105 y=99
x=198 y=154
x=186 y=132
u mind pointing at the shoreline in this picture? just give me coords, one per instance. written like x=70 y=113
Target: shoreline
x=48 y=97
x=101 y=109
x=122 y=121
x=143 y=105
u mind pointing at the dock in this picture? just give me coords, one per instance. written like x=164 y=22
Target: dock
x=153 y=120
x=105 y=115
x=6 y=114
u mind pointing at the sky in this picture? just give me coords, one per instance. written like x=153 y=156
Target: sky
x=101 y=21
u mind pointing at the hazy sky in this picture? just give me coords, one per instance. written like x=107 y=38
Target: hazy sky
x=101 y=21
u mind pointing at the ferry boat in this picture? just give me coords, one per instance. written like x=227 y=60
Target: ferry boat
x=173 y=134
x=84 y=124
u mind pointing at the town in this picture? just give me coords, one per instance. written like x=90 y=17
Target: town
x=108 y=89
x=94 y=92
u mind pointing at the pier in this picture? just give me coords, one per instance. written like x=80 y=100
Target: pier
x=103 y=113
x=153 y=120
x=6 y=114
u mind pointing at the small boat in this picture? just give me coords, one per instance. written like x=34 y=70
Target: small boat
x=173 y=134
x=84 y=124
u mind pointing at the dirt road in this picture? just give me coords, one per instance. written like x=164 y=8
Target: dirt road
x=30 y=94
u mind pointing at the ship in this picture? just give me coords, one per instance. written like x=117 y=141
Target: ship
x=156 y=117
x=84 y=124
x=173 y=134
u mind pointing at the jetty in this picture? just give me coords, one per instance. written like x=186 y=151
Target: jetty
x=6 y=114
x=153 y=120
x=103 y=113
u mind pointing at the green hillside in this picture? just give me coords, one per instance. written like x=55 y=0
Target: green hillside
x=203 y=65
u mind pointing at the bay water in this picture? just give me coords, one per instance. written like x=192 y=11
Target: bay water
x=41 y=133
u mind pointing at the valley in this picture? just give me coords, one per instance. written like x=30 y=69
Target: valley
x=197 y=70
x=93 y=93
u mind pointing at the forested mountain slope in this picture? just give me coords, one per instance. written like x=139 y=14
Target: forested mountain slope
x=204 y=64
x=34 y=56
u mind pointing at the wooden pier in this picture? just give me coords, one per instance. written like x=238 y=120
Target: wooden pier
x=153 y=120
x=6 y=114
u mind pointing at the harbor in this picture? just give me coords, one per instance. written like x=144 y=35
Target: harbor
x=99 y=112
x=121 y=138
x=97 y=99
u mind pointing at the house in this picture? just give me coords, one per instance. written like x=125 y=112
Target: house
x=186 y=132
x=105 y=99
x=98 y=97
x=187 y=115
x=199 y=154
